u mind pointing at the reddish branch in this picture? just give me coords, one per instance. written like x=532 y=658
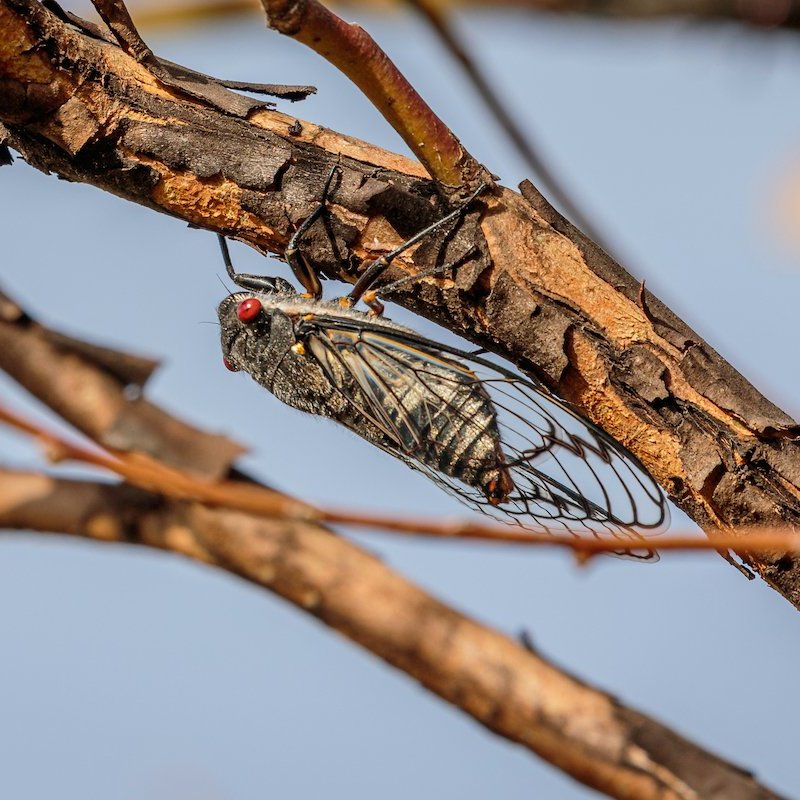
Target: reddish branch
x=354 y=52
x=159 y=453
x=146 y=473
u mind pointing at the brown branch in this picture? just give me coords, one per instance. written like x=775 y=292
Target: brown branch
x=540 y=292
x=189 y=82
x=50 y=366
x=512 y=691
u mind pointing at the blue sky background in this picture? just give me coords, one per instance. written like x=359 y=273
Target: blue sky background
x=129 y=674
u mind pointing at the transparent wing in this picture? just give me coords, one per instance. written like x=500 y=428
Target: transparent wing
x=343 y=352
x=568 y=475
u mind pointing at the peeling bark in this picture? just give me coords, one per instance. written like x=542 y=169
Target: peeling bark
x=539 y=292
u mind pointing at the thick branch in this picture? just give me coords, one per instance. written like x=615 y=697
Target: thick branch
x=510 y=690
x=540 y=293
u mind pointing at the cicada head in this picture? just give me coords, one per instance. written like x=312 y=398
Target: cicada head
x=244 y=326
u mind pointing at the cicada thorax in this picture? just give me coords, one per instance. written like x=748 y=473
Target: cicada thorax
x=443 y=418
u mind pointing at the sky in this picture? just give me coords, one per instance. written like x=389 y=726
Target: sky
x=127 y=673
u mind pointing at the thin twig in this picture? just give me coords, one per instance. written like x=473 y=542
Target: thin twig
x=147 y=473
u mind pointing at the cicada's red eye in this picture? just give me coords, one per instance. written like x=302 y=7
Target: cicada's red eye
x=229 y=365
x=248 y=309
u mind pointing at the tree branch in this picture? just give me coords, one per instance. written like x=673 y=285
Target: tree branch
x=354 y=52
x=151 y=475
x=50 y=366
x=540 y=292
x=512 y=691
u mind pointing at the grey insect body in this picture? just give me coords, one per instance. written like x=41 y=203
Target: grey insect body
x=498 y=441
x=349 y=366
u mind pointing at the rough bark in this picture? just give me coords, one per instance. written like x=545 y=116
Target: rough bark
x=539 y=292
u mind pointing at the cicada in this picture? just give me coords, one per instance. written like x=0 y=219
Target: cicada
x=501 y=442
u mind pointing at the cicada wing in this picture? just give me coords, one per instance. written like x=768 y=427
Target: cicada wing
x=568 y=475
x=340 y=354
x=428 y=407
x=582 y=459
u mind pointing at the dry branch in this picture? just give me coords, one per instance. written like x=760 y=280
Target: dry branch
x=50 y=366
x=540 y=293
x=512 y=691
x=354 y=52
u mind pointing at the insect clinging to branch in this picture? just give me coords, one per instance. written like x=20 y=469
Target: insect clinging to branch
x=501 y=442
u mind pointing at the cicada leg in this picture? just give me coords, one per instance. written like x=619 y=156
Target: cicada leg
x=310 y=281
x=294 y=256
x=369 y=296
x=377 y=267
x=253 y=283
